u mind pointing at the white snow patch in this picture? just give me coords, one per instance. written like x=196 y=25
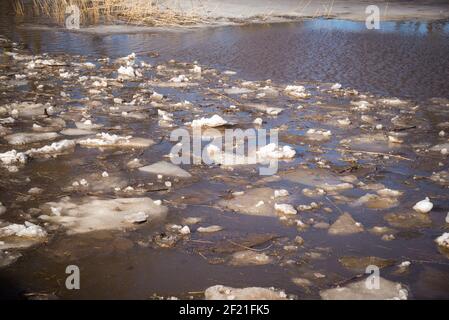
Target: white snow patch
x=220 y=292
x=28 y=230
x=214 y=121
x=443 y=240
x=285 y=208
x=54 y=148
x=423 y=206
x=97 y=214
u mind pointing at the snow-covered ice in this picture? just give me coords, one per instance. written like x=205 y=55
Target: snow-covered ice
x=220 y=292
x=423 y=206
x=91 y=213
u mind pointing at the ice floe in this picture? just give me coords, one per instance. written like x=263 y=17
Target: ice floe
x=345 y=225
x=359 y=290
x=443 y=240
x=249 y=257
x=25 y=138
x=112 y=140
x=54 y=148
x=423 y=206
x=91 y=213
x=166 y=169
x=296 y=91
x=214 y=121
x=220 y=292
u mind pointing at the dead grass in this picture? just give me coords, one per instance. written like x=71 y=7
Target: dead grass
x=147 y=12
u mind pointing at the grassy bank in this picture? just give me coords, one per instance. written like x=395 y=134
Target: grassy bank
x=147 y=12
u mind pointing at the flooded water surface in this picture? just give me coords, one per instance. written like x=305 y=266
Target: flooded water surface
x=363 y=123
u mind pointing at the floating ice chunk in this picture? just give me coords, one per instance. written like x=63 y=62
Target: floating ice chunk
x=31 y=137
x=258 y=121
x=305 y=207
x=273 y=151
x=209 y=229
x=249 y=258
x=220 y=292
x=129 y=59
x=394 y=139
x=8 y=120
x=30 y=65
x=237 y=90
x=361 y=105
x=92 y=214
x=76 y=132
x=111 y=140
x=26 y=230
x=13 y=157
x=214 y=121
x=156 y=96
x=196 y=69
x=359 y=290
x=393 y=101
x=442 y=133
x=272 y=111
x=296 y=91
x=389 y=193
x=166 y=116
x=336 y=86
x=335 y=187
x=345 y=225
x=316 y=134
x=100 y=83
x=184 y=230
x=253 y=202
x=447 y=218
x=423 y=206
x=192 y=220
x=280 y=193
x=135 y=163
x=128 y=72
x=54 y=148
x=138 y=217
x=35 y=191
x=344 y=122
x=180 y=78
x=66 y=75
x=374 y=201
x=285 y=208
x=89 y=65
x=443 y=240
x=87 y=125
x=166 y=169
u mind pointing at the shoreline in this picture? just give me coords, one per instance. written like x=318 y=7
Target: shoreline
x=213 y=13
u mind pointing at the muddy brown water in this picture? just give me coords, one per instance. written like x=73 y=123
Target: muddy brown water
x=404 y=59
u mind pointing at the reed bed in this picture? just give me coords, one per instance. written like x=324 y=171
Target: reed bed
x=147 y=12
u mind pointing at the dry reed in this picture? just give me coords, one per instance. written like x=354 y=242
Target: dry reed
x=155 y=13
